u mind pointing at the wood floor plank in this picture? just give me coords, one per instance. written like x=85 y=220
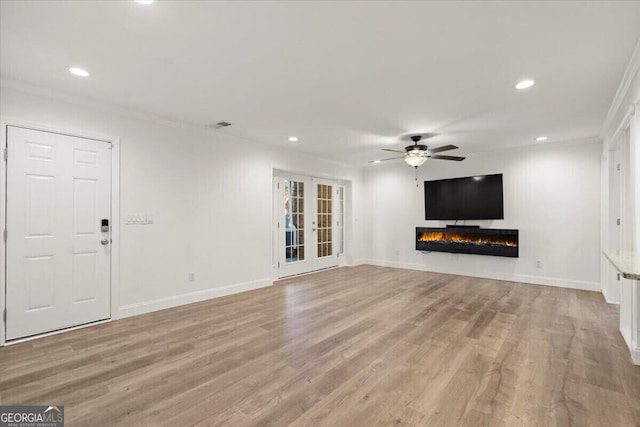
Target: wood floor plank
x=361 y=346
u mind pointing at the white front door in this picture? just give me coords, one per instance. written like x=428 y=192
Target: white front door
x=307 y=224
x=58 y=257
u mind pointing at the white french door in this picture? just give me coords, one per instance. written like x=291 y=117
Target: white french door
x=58 y=236
x=307 y=213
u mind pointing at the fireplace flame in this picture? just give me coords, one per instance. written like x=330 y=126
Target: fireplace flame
x=447 y=237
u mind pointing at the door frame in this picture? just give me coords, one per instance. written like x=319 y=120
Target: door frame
x=619 y=142
x=276 y=211
x=115 y=217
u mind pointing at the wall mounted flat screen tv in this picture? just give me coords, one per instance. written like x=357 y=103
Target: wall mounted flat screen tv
x=472 y=197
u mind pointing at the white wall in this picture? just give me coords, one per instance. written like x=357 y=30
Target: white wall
x=211 y=195
x=551 y=194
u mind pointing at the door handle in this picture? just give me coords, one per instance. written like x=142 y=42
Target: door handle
x=314 y=229
x=104 y=242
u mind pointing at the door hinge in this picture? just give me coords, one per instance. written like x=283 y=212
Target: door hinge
x=618 y=276
x=4 y=235
x=6 y=154
x=618 y=166
x=4 y=315
x=618 y=221
x=278 y=226
x=278 y=186
x=278 y=264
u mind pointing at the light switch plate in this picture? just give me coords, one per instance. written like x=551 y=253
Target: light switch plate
x=136 y=219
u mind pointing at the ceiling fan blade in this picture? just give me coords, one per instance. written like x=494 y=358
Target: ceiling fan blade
x=456 y=158
x=443 y=148
x=393 y=151
x=384 y=160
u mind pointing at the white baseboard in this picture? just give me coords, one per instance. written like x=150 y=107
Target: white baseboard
x=197 y=296
x=633 y=349
x=635 y=355
x=607 y=298
x=521 y=278
x=559 y=282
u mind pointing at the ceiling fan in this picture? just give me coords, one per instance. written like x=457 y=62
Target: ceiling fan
x=415 y=155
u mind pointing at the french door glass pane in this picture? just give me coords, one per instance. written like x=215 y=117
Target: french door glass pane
x=294 y=220
x=324 y=220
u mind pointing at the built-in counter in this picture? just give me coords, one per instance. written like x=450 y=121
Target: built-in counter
x=628 y=264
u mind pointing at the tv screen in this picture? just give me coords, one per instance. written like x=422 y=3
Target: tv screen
x=472 y=197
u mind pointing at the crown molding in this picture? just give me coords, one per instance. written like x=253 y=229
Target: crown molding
x=131 y=113
x=590 y=140
x=629 y=74
x=587 y=140
x=102 y=106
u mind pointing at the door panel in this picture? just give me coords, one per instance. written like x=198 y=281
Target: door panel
x=85 y=277
x=326 y=225
x=58 y=272
x=294 y=229
x=39 y=275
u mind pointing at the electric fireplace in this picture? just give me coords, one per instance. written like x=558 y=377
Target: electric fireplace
x=468 y=240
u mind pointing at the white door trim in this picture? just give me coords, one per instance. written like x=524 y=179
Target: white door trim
x=115 y=208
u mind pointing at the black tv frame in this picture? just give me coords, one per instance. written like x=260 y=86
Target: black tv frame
x=464 y=217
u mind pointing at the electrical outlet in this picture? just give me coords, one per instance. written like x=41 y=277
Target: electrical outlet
x=192 y=277
x=538 y=264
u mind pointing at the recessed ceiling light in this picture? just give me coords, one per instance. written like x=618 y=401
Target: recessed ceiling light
x=524 y=84
x=144 y=1
x=376 y=161
x=541 y=138
x=293 y=138
x=81 y=72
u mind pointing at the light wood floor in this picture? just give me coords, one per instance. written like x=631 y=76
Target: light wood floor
x=360 y=346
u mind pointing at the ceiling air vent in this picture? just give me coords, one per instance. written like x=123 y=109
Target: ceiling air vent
x=220 y=125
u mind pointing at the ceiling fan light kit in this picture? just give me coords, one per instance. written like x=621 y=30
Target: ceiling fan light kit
x=415 y=158
x=415 y=155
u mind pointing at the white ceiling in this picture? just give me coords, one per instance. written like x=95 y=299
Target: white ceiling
x=347 y=78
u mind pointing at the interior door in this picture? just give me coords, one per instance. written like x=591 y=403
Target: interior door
x=325 y=230
x=294 y=226
x=306 y=212
x=58 y=253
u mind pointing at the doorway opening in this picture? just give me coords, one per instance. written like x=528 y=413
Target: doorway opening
x=309 y=223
